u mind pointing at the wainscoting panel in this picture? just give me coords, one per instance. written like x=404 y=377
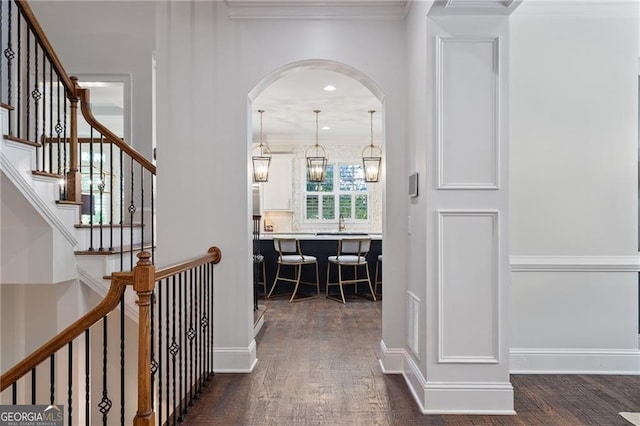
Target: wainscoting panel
x=468 y=287
x=467 y=92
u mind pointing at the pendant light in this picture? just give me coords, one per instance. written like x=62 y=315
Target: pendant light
x=316 y=164
x=262 y=160
x=371 y=162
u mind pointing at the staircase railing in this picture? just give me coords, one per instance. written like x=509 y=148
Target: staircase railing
x=174 y=350
x=99 y=171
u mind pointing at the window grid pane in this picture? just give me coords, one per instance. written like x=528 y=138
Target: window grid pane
x=328 y=207
x=312 y=207
x=362 y=207
x=345 y=206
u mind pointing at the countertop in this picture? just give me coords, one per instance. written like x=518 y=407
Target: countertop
x=319 y=236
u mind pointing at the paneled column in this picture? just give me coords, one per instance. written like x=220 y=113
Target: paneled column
x=467 y=217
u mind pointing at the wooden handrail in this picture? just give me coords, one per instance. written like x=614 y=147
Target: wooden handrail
x=119 y=282
x=108 y=304
x=85 y=108
x=29 y=16
x=213 y=255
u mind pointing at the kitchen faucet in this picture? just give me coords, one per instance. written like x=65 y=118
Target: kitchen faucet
x=341 y=225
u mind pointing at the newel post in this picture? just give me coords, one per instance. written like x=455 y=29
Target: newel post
x=143 y=284
x=73 y=178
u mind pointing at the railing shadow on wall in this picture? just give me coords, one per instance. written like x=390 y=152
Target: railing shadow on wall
x=83 y=368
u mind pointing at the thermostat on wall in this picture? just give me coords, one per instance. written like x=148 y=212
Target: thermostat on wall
x=413 y=184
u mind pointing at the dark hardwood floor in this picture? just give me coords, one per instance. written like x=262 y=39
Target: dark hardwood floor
x=318 y=366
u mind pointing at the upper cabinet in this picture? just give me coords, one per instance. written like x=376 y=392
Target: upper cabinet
x=277 y=192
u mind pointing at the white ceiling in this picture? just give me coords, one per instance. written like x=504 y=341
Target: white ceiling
x=289 y=102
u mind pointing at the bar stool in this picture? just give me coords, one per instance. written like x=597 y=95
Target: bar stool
x=351 y=252
x=289 y=254
x=378 y=277
x=258 y=263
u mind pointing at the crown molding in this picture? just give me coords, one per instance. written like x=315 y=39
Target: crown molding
x=318 y=10
x=473 y=7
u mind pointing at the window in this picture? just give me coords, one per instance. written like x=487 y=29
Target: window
x=343 y=192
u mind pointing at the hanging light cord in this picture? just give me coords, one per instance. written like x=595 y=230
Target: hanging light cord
x=317 y=112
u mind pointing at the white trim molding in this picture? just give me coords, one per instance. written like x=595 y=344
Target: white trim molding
x=575 y=263
x=481 y=398
x=488 y=355
x=574 y=361
x=313 y=10
x=445 y=183
x=235 y=359
x=390 y=359
x=34 y=199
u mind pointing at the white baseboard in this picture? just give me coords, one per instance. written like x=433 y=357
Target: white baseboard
x=574 y=361
x=391 y=359
x=235 y=360
x=475 y=398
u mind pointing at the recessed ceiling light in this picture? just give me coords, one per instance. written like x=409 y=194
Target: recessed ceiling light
x=329 y=88
x=326 y=128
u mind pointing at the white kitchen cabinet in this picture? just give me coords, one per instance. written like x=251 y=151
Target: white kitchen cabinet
x=276 y=193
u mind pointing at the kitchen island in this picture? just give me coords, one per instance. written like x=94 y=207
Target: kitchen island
x=321 y=245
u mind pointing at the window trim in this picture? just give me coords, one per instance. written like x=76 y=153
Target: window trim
x=336 y=193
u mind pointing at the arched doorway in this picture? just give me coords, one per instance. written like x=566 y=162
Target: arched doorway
x=288 y=97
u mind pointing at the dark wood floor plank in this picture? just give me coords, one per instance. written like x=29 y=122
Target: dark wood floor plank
x=318 y=366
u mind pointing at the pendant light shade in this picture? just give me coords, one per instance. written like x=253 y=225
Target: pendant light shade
x=261 y=157
x=371 y=158
x=316 y=159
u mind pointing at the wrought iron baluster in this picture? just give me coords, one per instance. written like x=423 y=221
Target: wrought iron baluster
x=19 y=80
x=121 y=203
x=44 y=109
x=141 y=208
x=111 y=197
x=70 y=384
x=52 y=379
x=167 y=367
x=27 y=85
x=191 y=334
x=91 y=180
x=87 y=377
x=174 y=348
x=122 y=371
x=211 y=329
x=1 y=44
x=101 y=187
x=14 y=393
x=9 y=54
x=132 y=210
x=160 y=364
x=105 y=403
x=154 y=363
x=181 y=388
x=33 y=386
x=153 y=215
x=198 y=334
x=63 y=128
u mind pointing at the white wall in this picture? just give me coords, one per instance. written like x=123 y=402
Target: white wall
x=115 y=39
x=209 y=65
x=574 y=144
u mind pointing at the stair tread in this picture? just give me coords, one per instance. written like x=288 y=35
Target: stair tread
x=106 y=225
x=47 y=174
x=22 y=141
x=113 y=250
x=67 y=202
